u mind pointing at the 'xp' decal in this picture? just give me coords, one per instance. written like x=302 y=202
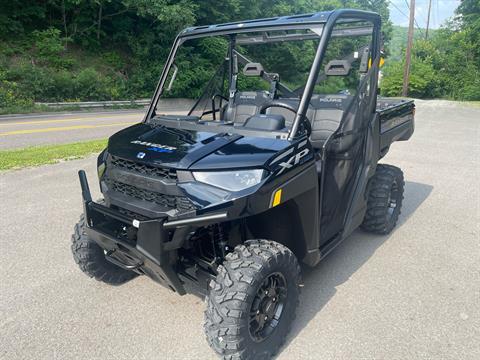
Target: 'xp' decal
x=292 y=160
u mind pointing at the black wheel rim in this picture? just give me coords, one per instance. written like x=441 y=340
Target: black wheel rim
x=393 y=199
x=267 y=307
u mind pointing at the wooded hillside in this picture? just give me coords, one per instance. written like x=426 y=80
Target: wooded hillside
x=67 y=50
x=447 y=65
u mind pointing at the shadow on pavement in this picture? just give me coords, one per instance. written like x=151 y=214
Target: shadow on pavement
x=320 y=283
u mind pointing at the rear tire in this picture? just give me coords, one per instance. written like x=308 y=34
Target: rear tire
x=252 y=302
x=384 y=200
x=90 y=257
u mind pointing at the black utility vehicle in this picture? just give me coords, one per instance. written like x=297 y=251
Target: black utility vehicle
x=274 y=164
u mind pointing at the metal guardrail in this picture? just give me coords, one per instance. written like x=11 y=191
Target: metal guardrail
x=95 y=104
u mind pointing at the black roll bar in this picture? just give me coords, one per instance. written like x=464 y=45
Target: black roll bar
x=292 y=22
x=320 y=54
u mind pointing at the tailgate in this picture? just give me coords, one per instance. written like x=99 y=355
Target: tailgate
x=396 y=120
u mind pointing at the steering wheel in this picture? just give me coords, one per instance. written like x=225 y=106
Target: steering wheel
x=305 y=125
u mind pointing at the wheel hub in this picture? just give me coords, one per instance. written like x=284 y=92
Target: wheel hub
x=267 y=307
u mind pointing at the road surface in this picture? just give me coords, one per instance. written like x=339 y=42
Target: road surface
x=414 y=294
x=29 y=130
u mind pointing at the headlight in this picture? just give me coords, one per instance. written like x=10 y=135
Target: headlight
x=101 y=163
x=101 y=170
x=230 y=180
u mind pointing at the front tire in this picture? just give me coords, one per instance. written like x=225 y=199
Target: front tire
x=253 y=300
x=385 y=198
x=90 y=258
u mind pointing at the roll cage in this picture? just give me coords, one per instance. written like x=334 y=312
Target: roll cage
x=327 y=19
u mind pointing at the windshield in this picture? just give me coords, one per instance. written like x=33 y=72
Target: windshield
x=273 y=62
x=228 y=79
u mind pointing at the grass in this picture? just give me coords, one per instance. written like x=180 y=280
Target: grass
x=49 y=154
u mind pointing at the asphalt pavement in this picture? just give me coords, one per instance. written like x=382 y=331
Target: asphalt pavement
x=414 y=294
x=28 y=130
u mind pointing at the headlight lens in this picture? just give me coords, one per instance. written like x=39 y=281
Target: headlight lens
x=101 y=163
x=101 y=170
x=230 y=180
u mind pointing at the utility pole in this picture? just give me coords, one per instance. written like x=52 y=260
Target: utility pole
x=408 y=53
x=428 y=18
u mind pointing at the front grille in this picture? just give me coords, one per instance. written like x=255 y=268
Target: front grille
x=130 y=214
x=165 y=174
x=180 y=203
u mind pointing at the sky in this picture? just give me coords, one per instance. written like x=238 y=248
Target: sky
x=441 y=10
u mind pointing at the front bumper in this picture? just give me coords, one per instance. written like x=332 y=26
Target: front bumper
x=146 y=246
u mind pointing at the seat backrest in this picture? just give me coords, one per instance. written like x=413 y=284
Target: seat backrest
x=326 y=114
x=324 y=123
x=245 y=104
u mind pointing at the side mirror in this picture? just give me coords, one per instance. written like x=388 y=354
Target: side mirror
x=174 y=75
x=337 y=68
x=253 y=69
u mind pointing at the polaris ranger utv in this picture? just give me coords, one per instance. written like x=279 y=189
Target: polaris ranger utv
x=274 y=164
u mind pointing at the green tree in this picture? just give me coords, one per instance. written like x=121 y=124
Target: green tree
x=82 y=49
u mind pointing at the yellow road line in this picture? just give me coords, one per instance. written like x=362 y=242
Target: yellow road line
x=66 y=128
x=71 y=119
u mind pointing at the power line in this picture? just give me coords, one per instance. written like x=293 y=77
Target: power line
x=434 y=21
x=396 y=7
x=401 y=12
x=415 y=20
x=438 y=12
x=421 y=17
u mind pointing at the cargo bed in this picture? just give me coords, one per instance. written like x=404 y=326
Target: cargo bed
x=396 y=120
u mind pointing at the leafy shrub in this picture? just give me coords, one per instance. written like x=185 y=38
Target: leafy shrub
x=113 y=60
x=423 y=80
x=471 y=92
x=49 y=47
x=45 y=84
x=10 y=96
x=90 y=85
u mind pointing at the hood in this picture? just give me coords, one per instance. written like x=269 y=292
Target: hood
x=188 y=149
